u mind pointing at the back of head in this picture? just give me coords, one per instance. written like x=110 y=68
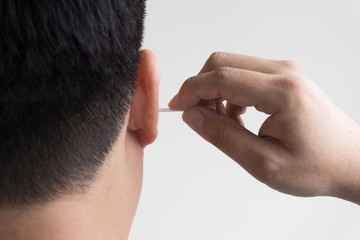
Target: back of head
x=68 y=70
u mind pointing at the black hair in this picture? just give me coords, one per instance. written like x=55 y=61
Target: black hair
x=68 y=70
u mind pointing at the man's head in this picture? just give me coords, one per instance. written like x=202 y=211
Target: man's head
x=71 y=98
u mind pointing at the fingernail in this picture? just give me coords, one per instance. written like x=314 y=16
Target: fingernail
x=194 y=118
x=172 y=102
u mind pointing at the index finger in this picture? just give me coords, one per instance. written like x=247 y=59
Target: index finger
x=222 y=59
x=237 y=86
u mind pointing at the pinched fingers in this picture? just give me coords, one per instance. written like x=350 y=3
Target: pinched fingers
x=234 y=111
x=258 y=156
x=236 y=86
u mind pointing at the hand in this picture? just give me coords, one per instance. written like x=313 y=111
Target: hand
x=306 y=147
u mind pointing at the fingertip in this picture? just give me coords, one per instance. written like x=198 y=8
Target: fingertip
x=172 y=103
x=194 y=118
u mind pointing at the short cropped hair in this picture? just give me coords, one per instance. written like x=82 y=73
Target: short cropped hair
x=68 y=70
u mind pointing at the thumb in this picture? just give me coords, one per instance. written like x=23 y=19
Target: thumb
x=246 y=148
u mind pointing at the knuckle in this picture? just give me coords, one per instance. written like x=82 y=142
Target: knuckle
x=219 y=135
x=215 y=59
x=223 y=73
x=292 y=90
x=291 y=86
x=270 y=168
x=288 y=83
x=289 y=64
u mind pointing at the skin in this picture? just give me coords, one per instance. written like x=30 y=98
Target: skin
x=306 y=147
x=107 y=209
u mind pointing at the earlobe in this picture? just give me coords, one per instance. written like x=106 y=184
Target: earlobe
x=144 y=107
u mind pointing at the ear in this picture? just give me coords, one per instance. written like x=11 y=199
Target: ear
x=145 y=103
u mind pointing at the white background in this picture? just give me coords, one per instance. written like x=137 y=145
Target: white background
x=193 y=191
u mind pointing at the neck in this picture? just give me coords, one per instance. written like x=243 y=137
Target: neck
x=63 y=219
x=104 y=212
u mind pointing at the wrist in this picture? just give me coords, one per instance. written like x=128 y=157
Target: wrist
x=348 y=175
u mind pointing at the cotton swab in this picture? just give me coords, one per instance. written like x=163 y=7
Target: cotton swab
x=168 y=110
